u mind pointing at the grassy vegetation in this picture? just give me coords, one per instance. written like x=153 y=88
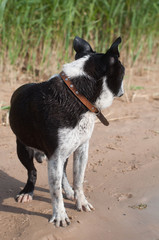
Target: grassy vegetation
x=136 y=88
x=31 y=30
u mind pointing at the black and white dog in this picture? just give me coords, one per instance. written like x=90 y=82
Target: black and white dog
x=48 y=117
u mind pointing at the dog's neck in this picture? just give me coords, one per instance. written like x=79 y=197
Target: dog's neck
x=76 y=72
x=82 y=99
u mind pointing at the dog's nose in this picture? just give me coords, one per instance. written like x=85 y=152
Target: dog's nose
x=121 y=95
x=121 y=91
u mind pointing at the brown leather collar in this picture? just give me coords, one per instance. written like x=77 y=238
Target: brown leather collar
x=82 y=99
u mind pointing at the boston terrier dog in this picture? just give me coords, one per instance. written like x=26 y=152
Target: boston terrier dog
x=52 y=121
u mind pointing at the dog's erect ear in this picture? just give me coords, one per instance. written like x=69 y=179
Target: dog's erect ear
x=114 y=47
x=81 y=46
x=113 y=53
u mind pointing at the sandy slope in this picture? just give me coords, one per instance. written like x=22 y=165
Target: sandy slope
x=122 y=176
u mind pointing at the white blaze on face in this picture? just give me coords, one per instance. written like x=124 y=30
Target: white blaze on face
x=106 y=97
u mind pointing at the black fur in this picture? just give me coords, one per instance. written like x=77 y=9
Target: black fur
x=46 y=107
x=26 y=155
x=81 y=47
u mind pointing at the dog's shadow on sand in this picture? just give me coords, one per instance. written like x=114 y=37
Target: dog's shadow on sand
x=10 y=186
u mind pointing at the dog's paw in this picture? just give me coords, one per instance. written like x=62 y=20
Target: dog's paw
x=82 y=204
x=24 y=197
x=60 y=218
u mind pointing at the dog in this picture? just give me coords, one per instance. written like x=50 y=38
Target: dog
x=49 y=121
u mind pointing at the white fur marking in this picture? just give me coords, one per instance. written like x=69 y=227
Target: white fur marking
x=75 y=68
x=106 y=97
x=55 y=172
x=71 y=138
x=79 y=166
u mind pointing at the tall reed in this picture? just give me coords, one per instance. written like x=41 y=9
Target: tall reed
x=31 y=30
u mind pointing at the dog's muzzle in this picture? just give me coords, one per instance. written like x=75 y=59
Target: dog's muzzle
x=121 y=91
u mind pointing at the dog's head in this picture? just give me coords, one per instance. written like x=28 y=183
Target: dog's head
x=100 y=66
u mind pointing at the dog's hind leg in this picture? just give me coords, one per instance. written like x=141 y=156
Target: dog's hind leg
x=69 y=193
x=79 y=166
x=26 y=154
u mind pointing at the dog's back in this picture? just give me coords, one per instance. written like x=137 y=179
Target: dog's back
x=38 y=110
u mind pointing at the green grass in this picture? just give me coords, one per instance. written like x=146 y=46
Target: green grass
x=5 y=108
x=31 y=30
x=136 y=88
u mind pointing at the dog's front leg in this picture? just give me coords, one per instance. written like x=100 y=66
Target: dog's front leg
x=69 y=193
x=79 y=166
x=55 y=172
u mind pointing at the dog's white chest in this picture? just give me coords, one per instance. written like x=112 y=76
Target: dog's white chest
x=70 y=139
